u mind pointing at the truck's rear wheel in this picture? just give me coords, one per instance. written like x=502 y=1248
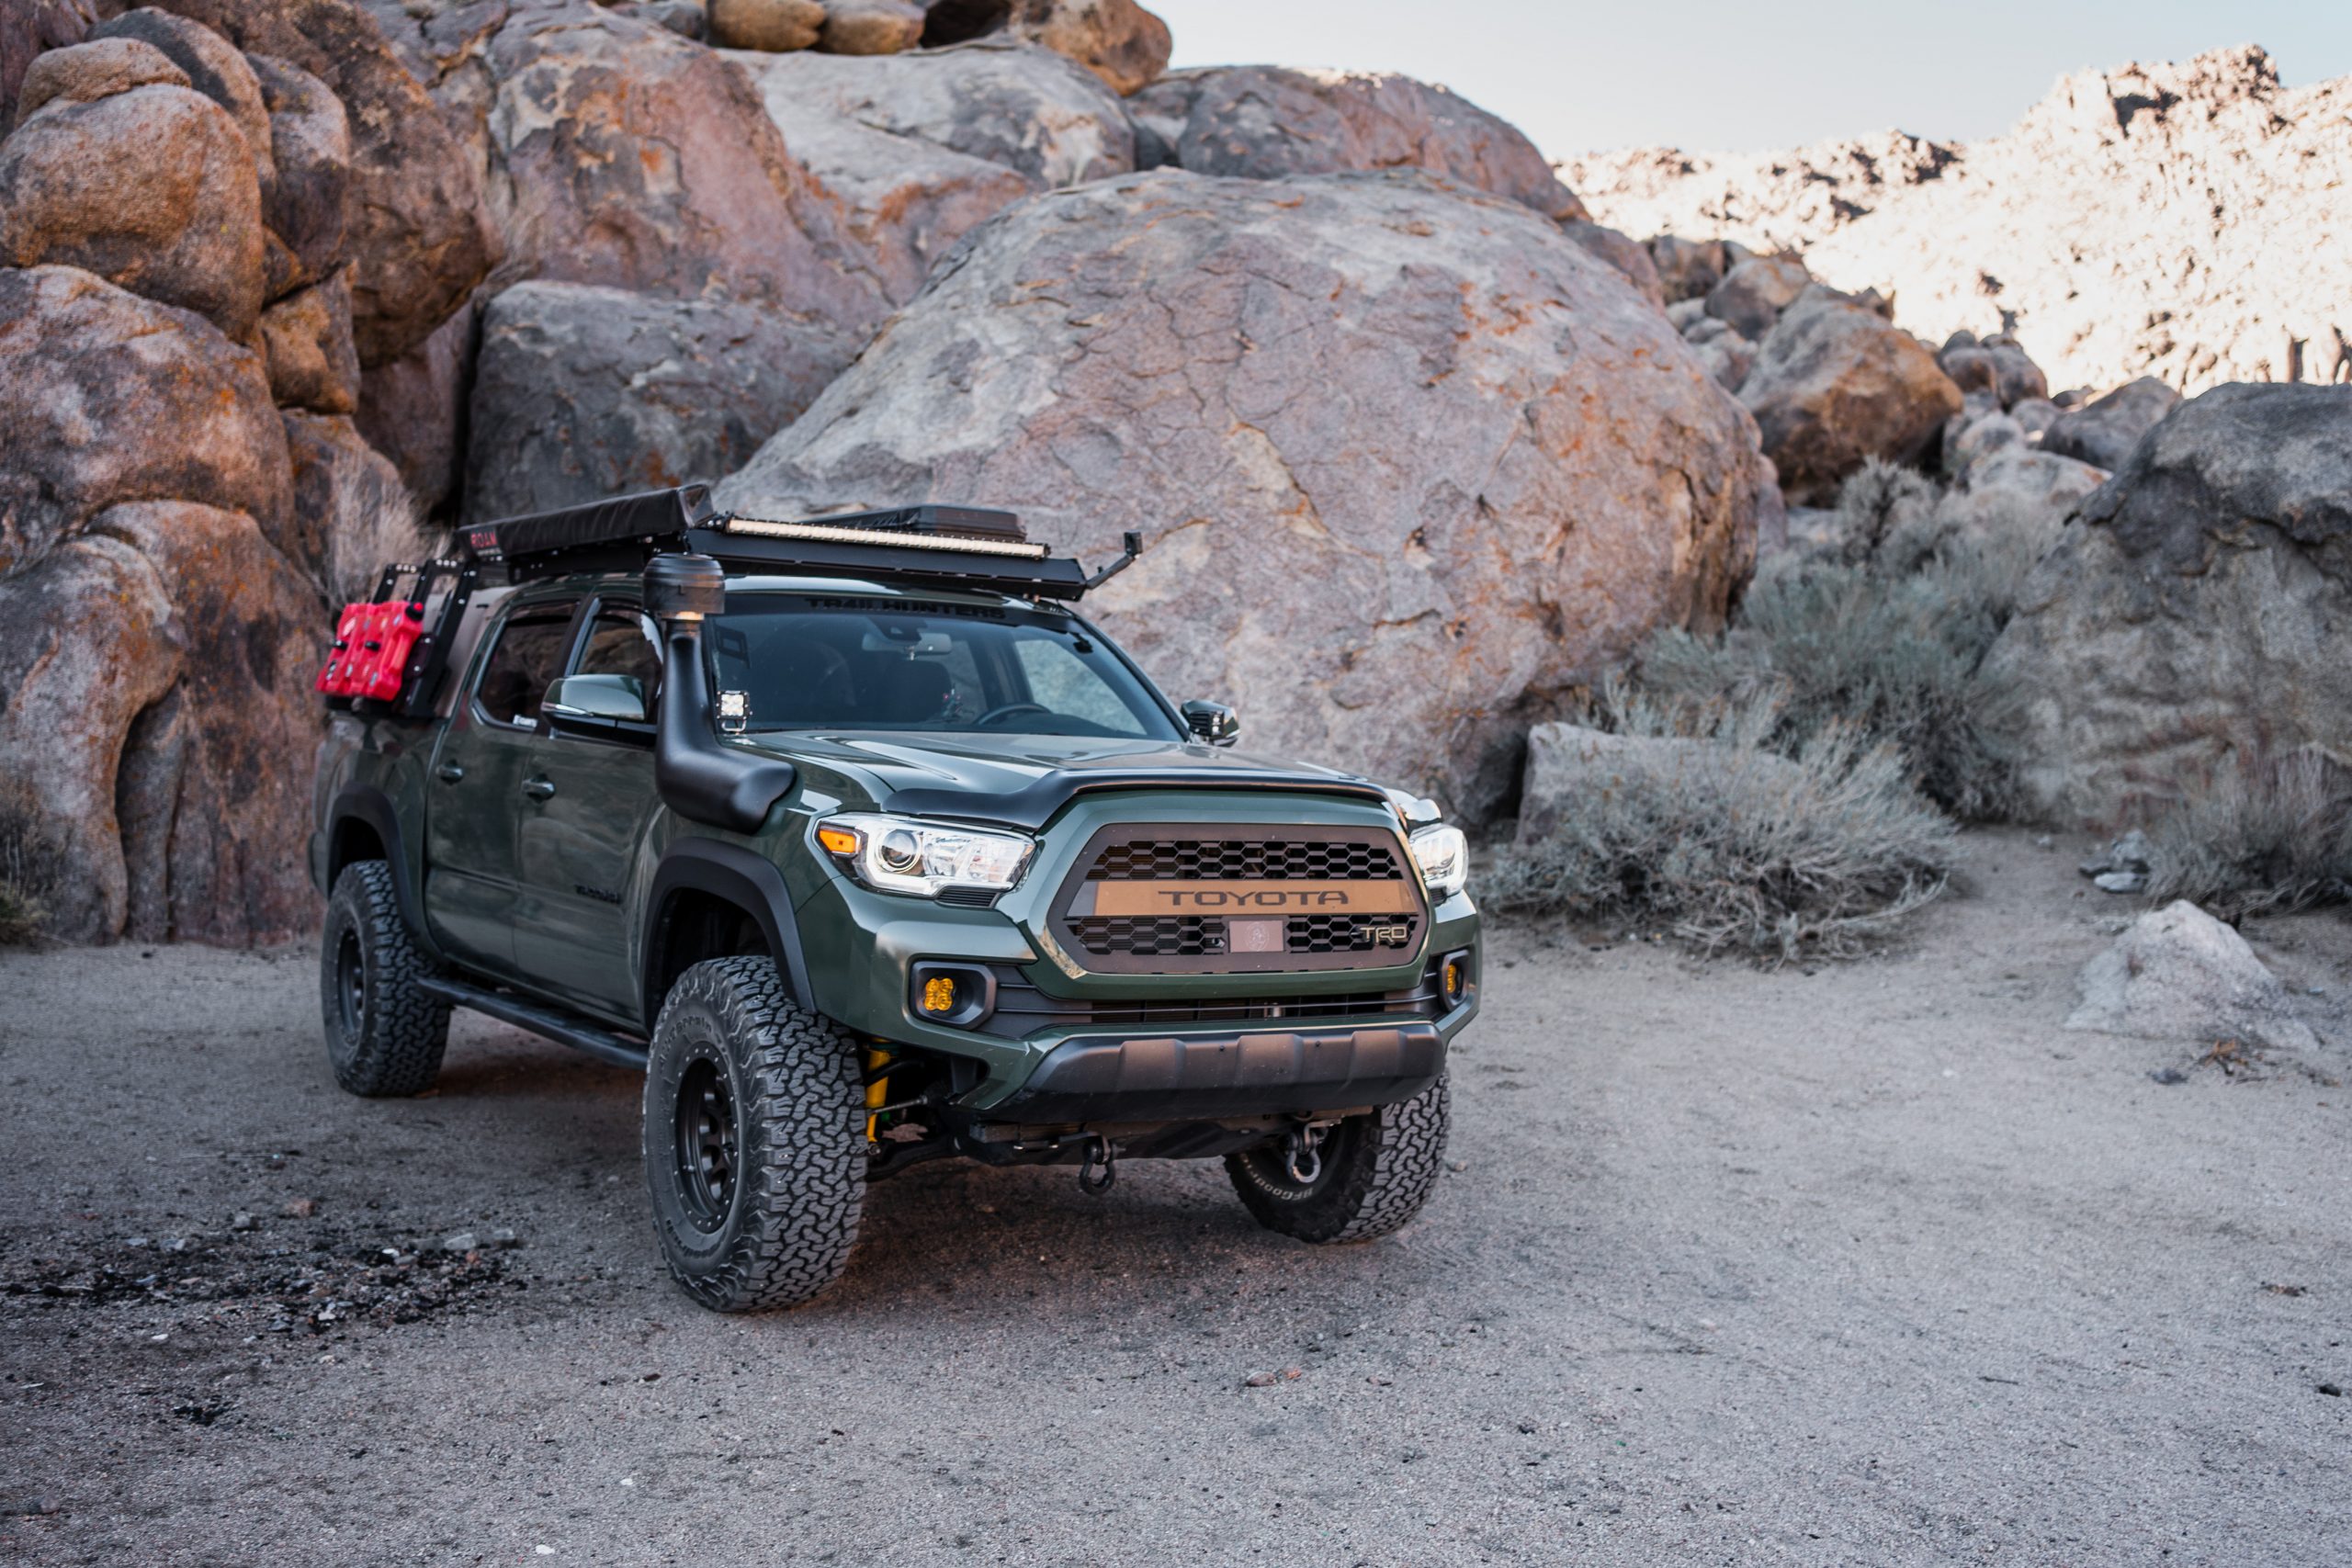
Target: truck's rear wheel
x=385 y=1034
x=754 y=1139
x=1375 y=1171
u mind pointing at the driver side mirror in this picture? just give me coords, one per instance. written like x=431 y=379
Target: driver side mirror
x=1212 y=722
x=595 y=704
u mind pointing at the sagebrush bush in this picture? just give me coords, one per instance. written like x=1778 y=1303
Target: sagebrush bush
x=1897 y=651
x=2268 y=836
x=1773 y=853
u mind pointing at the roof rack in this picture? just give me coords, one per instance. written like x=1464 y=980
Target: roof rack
x=957 y=547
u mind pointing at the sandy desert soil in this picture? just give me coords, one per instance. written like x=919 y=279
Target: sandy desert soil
x=1869 y=1265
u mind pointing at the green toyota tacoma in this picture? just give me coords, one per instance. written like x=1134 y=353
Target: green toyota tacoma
x=869 y=850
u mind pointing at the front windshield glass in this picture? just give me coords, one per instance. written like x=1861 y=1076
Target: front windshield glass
x=848 y=662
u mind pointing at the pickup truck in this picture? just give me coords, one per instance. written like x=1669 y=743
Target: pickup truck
x=869 y=850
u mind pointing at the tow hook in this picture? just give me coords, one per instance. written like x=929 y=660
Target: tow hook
x=1099 y=1154
x=1303 y=1154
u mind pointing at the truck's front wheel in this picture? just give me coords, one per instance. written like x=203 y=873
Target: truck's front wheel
x=385 y=1032
x=1370 y=1174
x=754 y=1139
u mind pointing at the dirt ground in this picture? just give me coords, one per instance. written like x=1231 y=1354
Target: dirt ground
x=1871 y=1265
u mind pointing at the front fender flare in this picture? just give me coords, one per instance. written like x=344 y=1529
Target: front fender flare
x=740 y=876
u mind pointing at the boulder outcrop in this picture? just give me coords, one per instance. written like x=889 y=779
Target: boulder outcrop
x=153 y=188
x=1265 y=121
x=1835 y=383
x=2179 y=974
x=1410 y=464
x=1120 y=42
x=2196 y=613
x=584 y=392
x=2104 y=432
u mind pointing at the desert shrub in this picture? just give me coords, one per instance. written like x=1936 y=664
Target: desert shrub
x=2268 y=836
x=1775 y=854
x=377 y=525
x=21 y=914
x=1893 y=644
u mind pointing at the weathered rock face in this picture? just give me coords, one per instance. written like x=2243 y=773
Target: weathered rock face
x=623 y=154
x=2103 y=433
x=352 y=514
x=1117 y=40
x=2020 y=494
x=921 y=150
x=2197 y=610
x=413 y=411
x=1228 y=367
x=214 y=773
x=83 y=74
x=1754 y=293
x=152 y=189
x=1688 y=269
x=420 y=239
x=585 y=392
x=110 y=398
x=155 y=717
x=28 y=28
x=1627 y=255
x=1836 y=383
x=305 y=204
x=214 y=68
x=2153 y=220
x=306 y=337
x=771 y=24
x=871 y=27
x=1265 y=121
x=2179 y=974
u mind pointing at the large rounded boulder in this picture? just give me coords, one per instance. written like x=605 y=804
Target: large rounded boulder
x=1835 y=384
x=156 y=721
x=1411 y=465
x=1266 y=121
x=2196 y=612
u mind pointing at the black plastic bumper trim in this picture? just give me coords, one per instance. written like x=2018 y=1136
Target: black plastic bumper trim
x=1259 y=1073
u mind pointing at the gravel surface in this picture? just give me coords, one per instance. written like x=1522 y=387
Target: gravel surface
x=1866 y=1266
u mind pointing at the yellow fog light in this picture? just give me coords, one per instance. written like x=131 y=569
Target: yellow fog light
x=1455 y=978
x=939 y=996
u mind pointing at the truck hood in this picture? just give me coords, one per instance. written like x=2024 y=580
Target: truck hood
x=1021 y=780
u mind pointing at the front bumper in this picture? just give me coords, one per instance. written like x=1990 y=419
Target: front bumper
x=1184 y=1078
x=1201 y=1047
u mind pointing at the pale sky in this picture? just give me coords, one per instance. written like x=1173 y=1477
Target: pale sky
x=1718 y=75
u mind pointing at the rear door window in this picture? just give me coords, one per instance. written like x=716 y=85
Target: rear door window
x=523 y=662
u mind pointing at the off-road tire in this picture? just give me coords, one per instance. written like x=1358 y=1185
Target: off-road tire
x=1378 y=1169
x=385 y=1034
x=788 y=1218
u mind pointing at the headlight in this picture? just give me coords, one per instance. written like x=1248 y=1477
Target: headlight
x=901 y=855
x=1444 y=857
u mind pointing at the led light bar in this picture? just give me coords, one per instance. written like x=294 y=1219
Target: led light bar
x=889 y=538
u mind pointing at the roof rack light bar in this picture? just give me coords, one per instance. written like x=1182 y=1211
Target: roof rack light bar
x=831 y=533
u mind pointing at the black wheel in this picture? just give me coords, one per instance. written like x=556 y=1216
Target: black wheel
x=754 y=1139
x=385 y=1035
x=1370 y=1174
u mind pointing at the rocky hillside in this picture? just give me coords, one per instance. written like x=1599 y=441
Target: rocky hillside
x=2186 y=221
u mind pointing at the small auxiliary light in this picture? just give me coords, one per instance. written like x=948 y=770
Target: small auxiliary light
x=939 y=996
x=1455 y=977
x=957 y=994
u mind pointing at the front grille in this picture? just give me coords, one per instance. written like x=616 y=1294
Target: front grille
x=1363 y=869
x=1022 y=1010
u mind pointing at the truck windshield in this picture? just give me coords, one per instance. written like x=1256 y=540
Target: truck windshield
x=810 y=661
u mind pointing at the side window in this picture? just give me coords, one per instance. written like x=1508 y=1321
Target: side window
x=526 y=656
x=621 y=641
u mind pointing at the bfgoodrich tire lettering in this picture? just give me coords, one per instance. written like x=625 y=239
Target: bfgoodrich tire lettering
x=755 y=1142
x=385 y=1035
x=1378 y=1170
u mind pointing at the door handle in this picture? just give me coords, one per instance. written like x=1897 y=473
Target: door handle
x=448 y=773
x=539 y=788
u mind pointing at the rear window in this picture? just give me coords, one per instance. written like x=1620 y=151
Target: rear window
x=807 y=661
